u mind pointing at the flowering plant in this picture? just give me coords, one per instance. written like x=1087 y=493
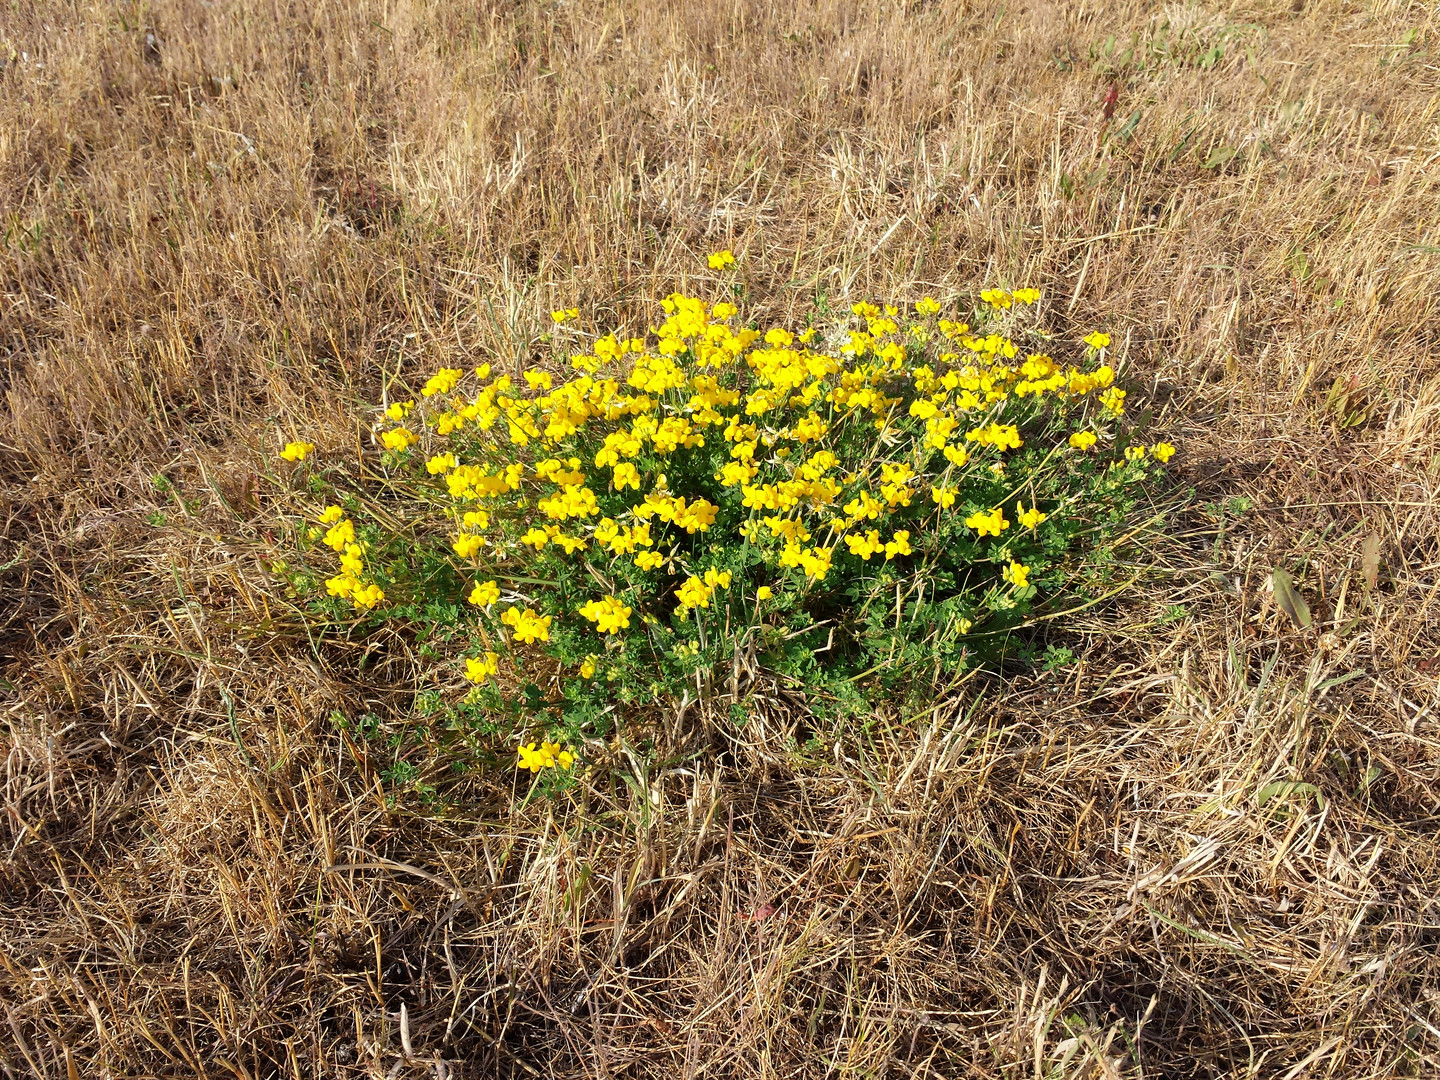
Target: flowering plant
x=886 y=497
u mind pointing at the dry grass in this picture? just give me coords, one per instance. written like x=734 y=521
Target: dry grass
x=240 y=229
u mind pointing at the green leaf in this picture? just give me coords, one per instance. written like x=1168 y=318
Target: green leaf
x=1284 y=789
x=1219 y=156
x=1289 y=598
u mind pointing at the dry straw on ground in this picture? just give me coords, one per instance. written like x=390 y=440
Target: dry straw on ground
x=227 y=222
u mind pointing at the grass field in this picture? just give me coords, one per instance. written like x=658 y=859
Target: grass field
x=1206 y=846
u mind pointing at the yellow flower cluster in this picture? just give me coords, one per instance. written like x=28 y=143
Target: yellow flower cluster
x=609 y=615
x=545 y=755
x=350 y=583
x=696 y=591
x=527 y=626
x=939 y=406
x=480 y=668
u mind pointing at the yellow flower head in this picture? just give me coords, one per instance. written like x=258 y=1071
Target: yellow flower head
x=367 y=596
x=480 y=668
x=1026 y=296
x=609 y=615
x=693 y=594
x=297 y=451
x=546 y=755
x=721 y=259
x=898 y=545
x=528 y=626
x=468 y=545
x=625 y=475
x=340 y=535
x=1083 y=440
x=1096 y=340
x=330 y=515
x=926 y=306
x=563 y=315
x=398 y=439
x=991 y=523
x=1017 y=574
x=1163 y=451
x=484 y=594
x=764 y=592
x=1029 y=518
x=442 y=382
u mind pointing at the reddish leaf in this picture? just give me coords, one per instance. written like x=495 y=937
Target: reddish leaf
x=1112 y=95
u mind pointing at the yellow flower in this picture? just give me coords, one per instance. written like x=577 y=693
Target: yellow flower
x=693 y=594
x=1134 y=453
x=467 y=545
x=1017 y=574
x=721 y=259
x=926 y=306
x=945 y=496
x=484 y=594
x=339 y=535
x=956 y=455
x=297 y=451
x=899 y=545
x=1029 y=518
x=609 y=615
x=351 y=562
x=341 y=585
x=1000 y=436
x=992 y=523
x=480 y=668
x=546 y=755
x=563 y=315
x=587 y=667
x=399 y=410
x=400 y=438
x=1083 y=440
x=864 y=545
x=330 y=515
x=998 y=299
x=816 y=562
x=1026 y=296
x=1113 y=400
x=626 y=475
x=442 y=382
x=440 y=463
x=367 y=596
x=764 y=593
x=1096 y=340
x=529 y=626
x=649 y=560
x=1163 y=451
